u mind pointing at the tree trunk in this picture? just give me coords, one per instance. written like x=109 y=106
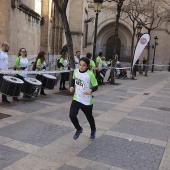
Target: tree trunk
x=62 y=11
x=132 y=51
x=116 y=36
x=69 y=43
x=148 y=58
x=68 y=39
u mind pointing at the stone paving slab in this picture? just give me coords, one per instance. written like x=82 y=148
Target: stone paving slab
x=109 y=98
x=63 y=114
x=116 y=92
x=34 y=132
x=154 y=104
x=163 y=93
x=97 y=166
x=68 y=167
x=134 y=89
x=143 y=129
x=57 y=98
x=25 y=106
x=159 y=99
x=130 y=155
x=31 y=162
x=9 y=155
x=102 y=106
x=162 y=116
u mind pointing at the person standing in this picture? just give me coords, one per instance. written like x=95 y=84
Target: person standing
x=92 y=63
x=21 y=63
x=84 y=83
x=76 y=59
x=144 y=63
x=63 y=66
x=110 y=65
x=99 y=66
x=103 y=70
x=116 y=57
x=4 y=65
x=40 y=65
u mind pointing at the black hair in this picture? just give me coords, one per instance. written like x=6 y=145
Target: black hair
x=88 y=55
x=77 y=52
x=86 y=60
x=100 y=53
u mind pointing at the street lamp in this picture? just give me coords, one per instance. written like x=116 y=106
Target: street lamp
x=154 y=47
x=97 y=9
x=139 y=29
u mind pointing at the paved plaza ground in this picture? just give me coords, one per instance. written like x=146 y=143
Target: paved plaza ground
x=133 y=129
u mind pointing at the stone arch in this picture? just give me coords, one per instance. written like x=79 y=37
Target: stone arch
x=106 y=31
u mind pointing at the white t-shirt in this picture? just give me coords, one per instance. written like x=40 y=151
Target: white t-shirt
x=83 y=82
x=99 y=61
x=3 y=60
x=23 y=63
x=76 y=59
x=65 y=64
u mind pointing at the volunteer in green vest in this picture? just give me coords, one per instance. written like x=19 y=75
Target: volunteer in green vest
x=40 y=65
x=21 y=63
x=109 y=78
x=64 y=66
x=104 y=69
x=83 y=83
x=99 y=66
x=92 y=63
x=76 y=59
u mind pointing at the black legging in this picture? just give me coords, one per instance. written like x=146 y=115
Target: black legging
x=64 y=78
x=4 y=97
x=39 y=77
x=87 y=110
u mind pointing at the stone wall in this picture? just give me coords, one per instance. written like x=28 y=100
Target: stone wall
x=4 y=17
x=19 y=28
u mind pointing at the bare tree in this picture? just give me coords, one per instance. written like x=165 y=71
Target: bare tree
x=116 y=35
x=133 y=12
x=153 y=14
x=62 y=6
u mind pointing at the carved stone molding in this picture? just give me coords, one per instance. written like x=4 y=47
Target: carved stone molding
x=29 y=11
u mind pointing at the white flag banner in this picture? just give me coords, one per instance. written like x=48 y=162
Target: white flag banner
x=143 y=41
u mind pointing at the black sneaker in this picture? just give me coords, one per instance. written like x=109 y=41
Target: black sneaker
x=26 y=96
x=77 y=134
x=15 y=99
x=42 y=93
x=93 y=135
x=61 y=89
x=6 y=101
x=64 y=88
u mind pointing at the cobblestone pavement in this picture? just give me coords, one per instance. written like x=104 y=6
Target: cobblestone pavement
x=133 y=129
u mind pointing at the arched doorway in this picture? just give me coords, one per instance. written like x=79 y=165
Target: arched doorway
x=110 y=47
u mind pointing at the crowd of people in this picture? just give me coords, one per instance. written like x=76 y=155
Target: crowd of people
x=88 y=74
x=99 y=67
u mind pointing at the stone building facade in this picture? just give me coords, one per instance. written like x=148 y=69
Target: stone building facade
x=83 y=32
x=20 y=26
x=37 y=25
x=105 y=43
